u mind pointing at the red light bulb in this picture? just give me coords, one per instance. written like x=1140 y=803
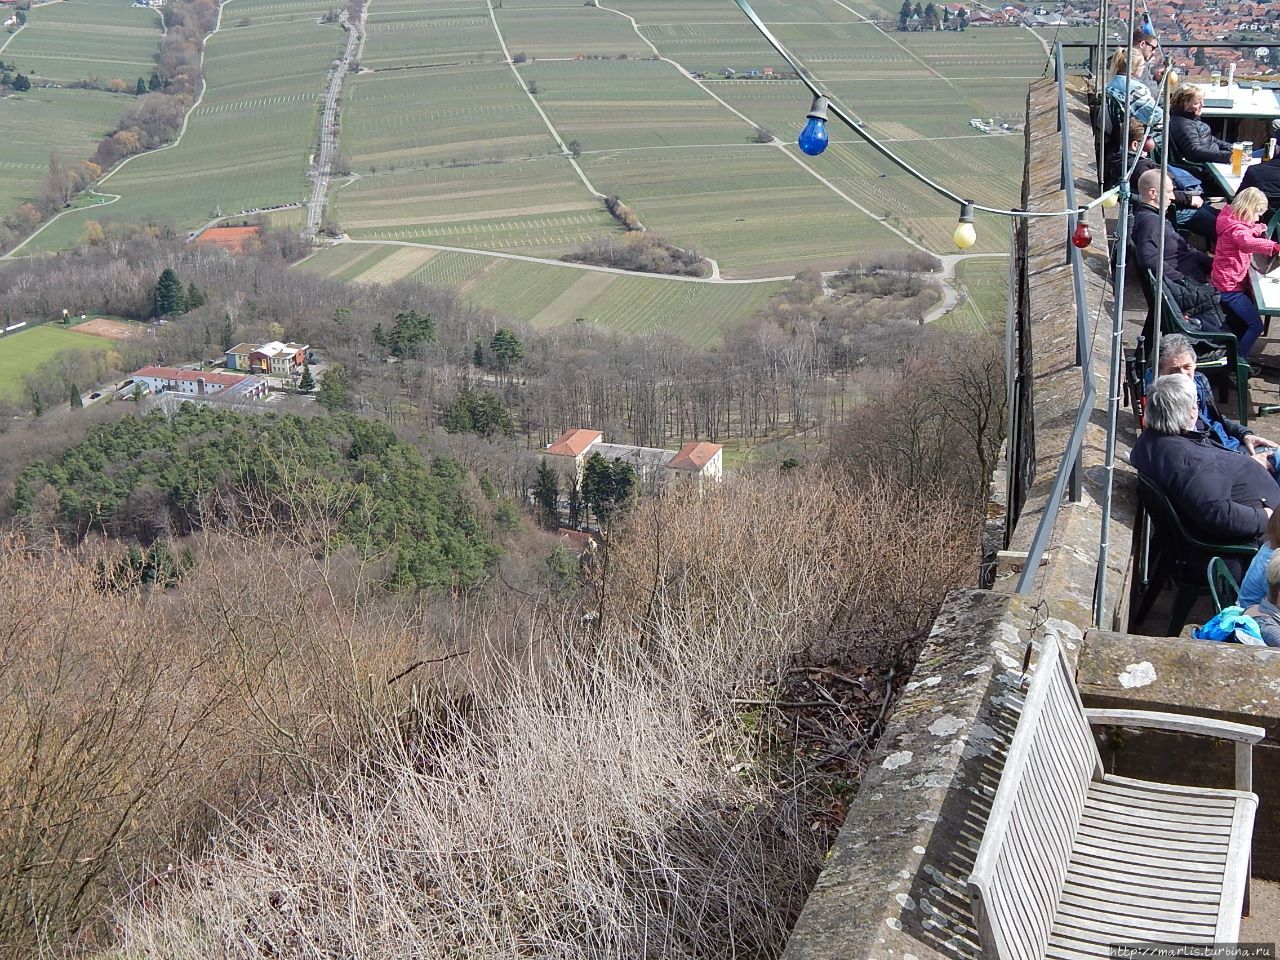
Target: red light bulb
x=1082 y=236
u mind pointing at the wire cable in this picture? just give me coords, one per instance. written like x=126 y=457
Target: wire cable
x=858 y=127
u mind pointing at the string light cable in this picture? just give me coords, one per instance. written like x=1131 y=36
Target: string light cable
x=813 y=140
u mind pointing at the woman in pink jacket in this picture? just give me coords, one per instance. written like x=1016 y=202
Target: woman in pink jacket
x=1239 y=238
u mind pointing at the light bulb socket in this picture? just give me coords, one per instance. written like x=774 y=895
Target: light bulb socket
x=966 y=212
x=819 y=109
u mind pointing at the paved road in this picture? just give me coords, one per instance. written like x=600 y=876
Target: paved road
x=320 y=174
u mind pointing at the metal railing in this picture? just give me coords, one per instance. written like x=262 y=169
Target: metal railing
x=1067 y=480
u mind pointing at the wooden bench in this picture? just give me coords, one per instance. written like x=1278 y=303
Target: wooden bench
x=1074 y=859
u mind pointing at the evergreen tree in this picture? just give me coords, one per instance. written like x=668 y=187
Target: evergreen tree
x=931 y=15
x=904 y=14
x=169 y=297
x=141 y=87
x=306 y=383
x=37 y=403
x=195 y=298
x=507 y=349
x=477 y=355
x=546 y=494
x=76 y=400
x=21 y=84
x=335 y=390
x=155 y=83
x=918 y=11
x=228 y=334
x=607 y=486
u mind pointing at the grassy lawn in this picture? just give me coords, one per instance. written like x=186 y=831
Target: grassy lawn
x=986 y=287
x=24 y=351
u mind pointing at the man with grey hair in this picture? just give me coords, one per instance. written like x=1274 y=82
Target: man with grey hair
x=1178 y=355
x=1224 y=497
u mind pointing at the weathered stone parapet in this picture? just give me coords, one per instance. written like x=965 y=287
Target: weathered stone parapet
x=1047 y=344
x=894 y=882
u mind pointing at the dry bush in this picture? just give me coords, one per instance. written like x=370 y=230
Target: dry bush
x=133 y=721
x=603 y=797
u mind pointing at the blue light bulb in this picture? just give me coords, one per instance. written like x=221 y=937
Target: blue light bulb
x=813 y=138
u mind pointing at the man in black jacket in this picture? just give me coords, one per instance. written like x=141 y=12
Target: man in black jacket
x=1181 y=260
x=1221 y=495
x=1266 y=177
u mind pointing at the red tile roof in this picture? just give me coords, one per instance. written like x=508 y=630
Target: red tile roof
x=572 y=443
x=191 y=376
x=694 y=456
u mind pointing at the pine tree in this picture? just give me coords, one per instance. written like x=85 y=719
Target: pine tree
x=904 y=14
x=506 y=348
x=141 y=88
x=335 y=390
x=546 y=494
x=306 y=383
x=76 y=400
x=575 y=503
x=37 y=404
x=155 y=83
x=228 y=335
x=195 y=298
x=169 y=297
x=477 y=355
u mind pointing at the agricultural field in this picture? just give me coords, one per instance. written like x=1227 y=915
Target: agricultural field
x=87 y=40
x=26 y=350
x=548 y=295
x=247 y=144
x=44 y=121
x=985 y=284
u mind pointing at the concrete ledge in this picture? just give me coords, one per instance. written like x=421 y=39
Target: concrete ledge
x=894 y=884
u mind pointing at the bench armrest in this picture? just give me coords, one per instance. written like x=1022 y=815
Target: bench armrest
x=1178 y=723
x=1245 y=735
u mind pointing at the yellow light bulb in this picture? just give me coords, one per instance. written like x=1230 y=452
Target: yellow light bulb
x=1110 y=199
x=1173 y=78
x=965 y=236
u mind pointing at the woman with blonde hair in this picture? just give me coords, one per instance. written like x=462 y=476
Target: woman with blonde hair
x=1124 y=83
x=1239 y=238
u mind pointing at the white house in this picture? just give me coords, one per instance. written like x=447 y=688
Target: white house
x=199 y=383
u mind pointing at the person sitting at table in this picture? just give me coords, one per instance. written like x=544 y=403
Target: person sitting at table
x=1265 y=176
x=1124 y=84
x=1189 y=208
x=1190 y=137
x=1239 y=238
x=1220 y=495
x=1178 y=355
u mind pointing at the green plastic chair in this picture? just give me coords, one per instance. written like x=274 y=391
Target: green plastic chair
x=1179 y=557
x=1172 y=321
x=1222 y=585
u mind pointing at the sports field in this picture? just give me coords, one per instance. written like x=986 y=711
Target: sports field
x=87 y=39
x=24 y=351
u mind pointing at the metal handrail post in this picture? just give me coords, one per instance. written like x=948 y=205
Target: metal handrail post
x=1165 y=198
x=1117 y=348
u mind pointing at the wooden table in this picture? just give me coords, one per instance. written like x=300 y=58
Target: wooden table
x=1229 y=182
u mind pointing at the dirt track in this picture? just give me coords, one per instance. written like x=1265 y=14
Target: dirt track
x=112 y=329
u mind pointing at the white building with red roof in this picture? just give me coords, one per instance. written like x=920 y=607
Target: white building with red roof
x=200 y=383
x=655 y=467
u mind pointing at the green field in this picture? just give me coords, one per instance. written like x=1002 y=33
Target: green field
x=24 y=351
x=549 y=295
x=87 y=39
x=43 y=121
x=248 y=143
x=986 y=287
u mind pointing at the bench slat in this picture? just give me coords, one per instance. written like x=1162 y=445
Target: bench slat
x=1072 y=860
